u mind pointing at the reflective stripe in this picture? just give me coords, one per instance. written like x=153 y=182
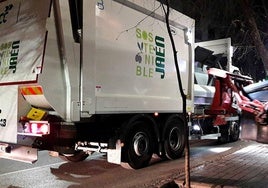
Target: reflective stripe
x=32 y=90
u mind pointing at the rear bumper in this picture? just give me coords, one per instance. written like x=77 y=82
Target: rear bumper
x=18 y=153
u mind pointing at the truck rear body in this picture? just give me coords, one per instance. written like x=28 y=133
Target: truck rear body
x=83 y=76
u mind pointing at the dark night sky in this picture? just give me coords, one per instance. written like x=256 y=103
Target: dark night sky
x=221 y=19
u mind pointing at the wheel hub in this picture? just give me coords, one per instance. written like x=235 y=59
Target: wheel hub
x=174 y=138
x=140 y=143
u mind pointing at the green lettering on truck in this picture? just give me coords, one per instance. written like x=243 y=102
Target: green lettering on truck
x=151 y=55
x=160 y=56
x=9 y=53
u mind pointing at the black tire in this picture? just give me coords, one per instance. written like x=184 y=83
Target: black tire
x=174 y=137
x=224 y=130
x=234 y=131
x=138 y=147
x=76 y=157
x=229 y=132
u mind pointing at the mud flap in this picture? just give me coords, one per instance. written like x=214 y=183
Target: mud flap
x=114 y=155
x=19 y=153
x=248 y=126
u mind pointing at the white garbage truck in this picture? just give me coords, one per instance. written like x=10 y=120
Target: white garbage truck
x=78 y=77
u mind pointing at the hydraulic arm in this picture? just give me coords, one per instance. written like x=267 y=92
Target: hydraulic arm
x=231 y=98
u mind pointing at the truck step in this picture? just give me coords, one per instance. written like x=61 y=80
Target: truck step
x=19 y=153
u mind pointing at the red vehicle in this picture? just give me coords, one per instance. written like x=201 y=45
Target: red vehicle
x=236 y=93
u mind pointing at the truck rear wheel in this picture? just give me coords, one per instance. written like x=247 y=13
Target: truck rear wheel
x=229 y=132
x=234 y=131
x=138 y=148
x=174 y=138
x=224 y=130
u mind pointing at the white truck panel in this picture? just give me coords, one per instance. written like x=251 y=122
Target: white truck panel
x=22 y=42
x=204 y=93
x=127 y=60
x=13 y=106
x=218 y=46
x=126 y=72
x=61 y=74
x=22 y=31
x=9 y=113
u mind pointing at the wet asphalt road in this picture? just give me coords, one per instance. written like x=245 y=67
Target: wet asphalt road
x=96 y=172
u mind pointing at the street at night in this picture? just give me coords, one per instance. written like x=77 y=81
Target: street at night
x=133 y=93
x=240 y=164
